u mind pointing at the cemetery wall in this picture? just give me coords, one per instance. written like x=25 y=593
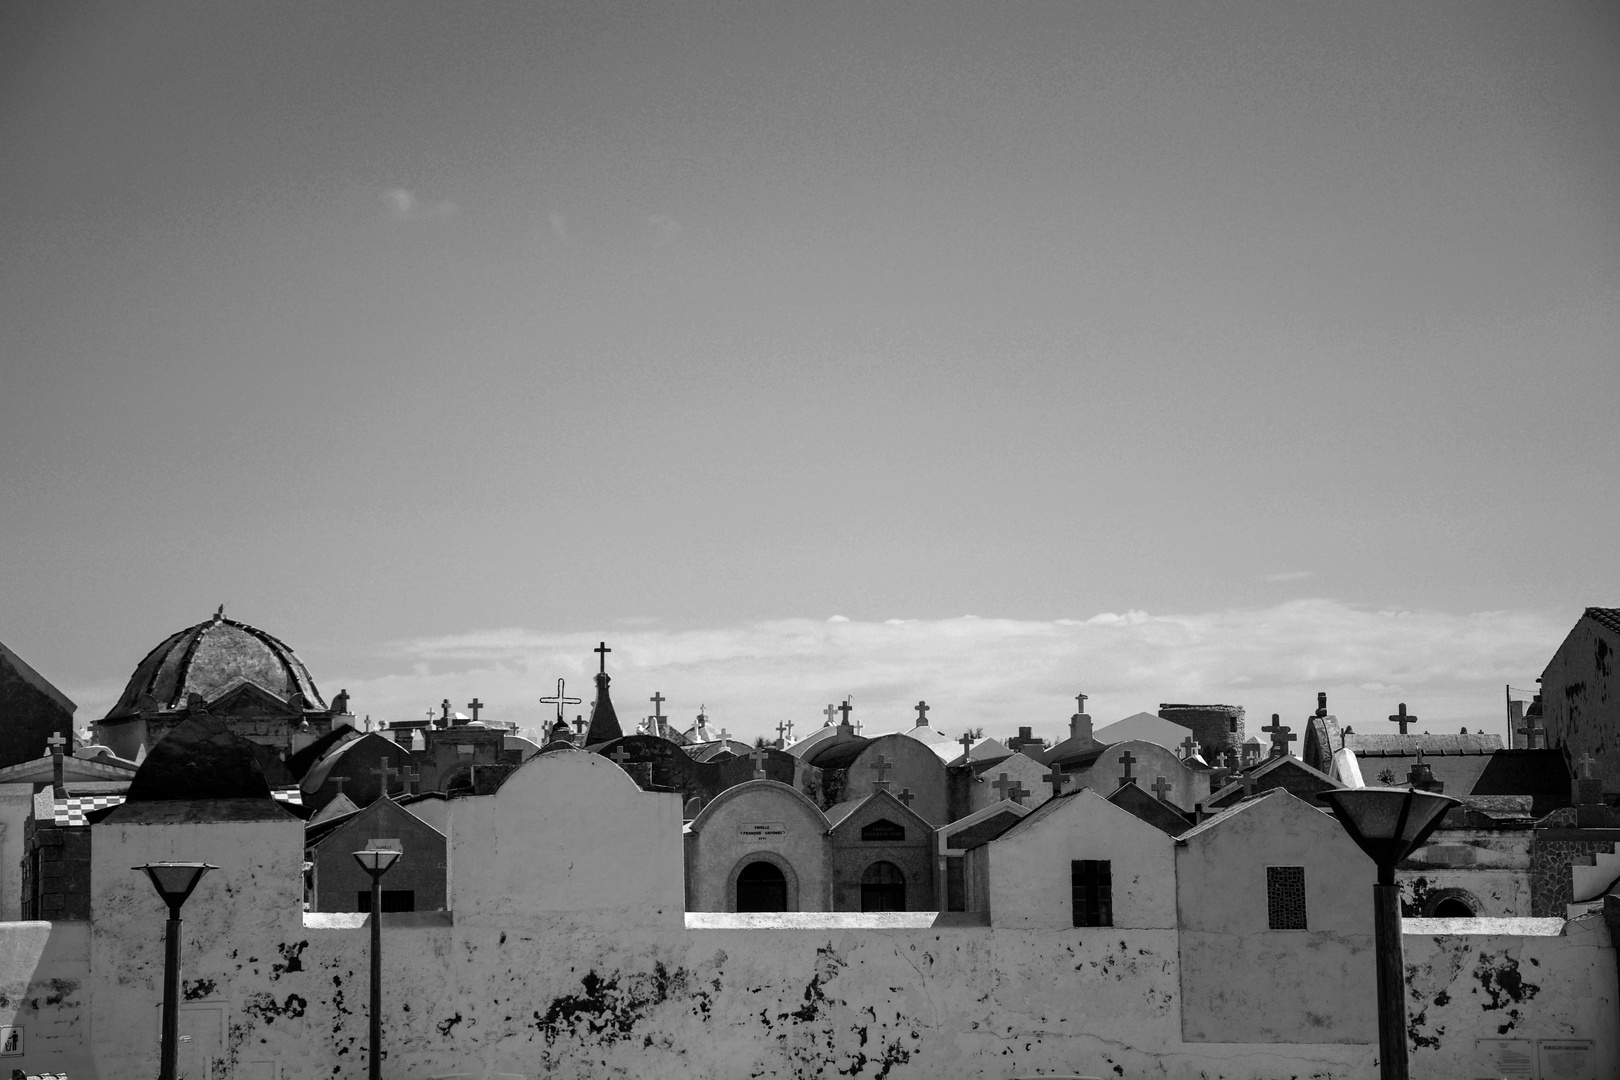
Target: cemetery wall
x=746 y=996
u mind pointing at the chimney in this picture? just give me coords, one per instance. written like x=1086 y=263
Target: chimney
x=1080 y=726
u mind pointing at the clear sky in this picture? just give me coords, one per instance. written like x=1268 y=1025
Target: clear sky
x=1219 y=352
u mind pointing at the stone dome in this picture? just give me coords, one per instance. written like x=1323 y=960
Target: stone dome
x=211 y=659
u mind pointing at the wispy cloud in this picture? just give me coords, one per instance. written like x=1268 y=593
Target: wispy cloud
x=667 y=227
x=1001 y=673
x=1290 y=575
x=406 y=205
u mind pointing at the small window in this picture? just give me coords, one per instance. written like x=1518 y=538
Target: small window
x=392 y=900
x=883 y=829
x=1285 y=897
x=1092 y=881
x=883 y=888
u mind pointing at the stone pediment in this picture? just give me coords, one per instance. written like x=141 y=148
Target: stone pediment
x=245 y=699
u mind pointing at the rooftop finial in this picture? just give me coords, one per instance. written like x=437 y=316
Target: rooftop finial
x=219 y=614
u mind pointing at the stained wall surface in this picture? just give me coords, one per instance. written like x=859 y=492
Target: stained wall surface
x=1580 y=693
x=1242 y=981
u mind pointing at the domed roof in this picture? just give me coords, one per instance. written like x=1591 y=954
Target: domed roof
x=210 y=659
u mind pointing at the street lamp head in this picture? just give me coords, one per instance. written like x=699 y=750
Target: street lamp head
x=174 y=881
x=1388 y=823
x=376 y=861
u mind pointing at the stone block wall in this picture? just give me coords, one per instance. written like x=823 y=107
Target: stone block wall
x=55 y=872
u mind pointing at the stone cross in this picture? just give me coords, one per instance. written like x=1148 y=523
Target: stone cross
x=1281 y=736
x=1532 y=735
x=1401 y=717
x=1009 y=789
x=658 y=700
x=1189 y=748
x=56 y=742
x=559 y=700
x=413 y=777
x=922 y=713
x=430 y=716
x=620 y=755
x=445 y=705
x=828 y=713
x=906 y=795
x=1055 y=778
x=1586 y=761
x=1081 y=698
x=473 y=706
x=1127 y=759
x=601 y=652
x=339 y=781
x=724 y=735
x=780 y=728
x=881 y=766
x=1160 y=787
x=385 y=774
x=1248 y=785
x=759 y=757
x=967 y=746
x=846 y=708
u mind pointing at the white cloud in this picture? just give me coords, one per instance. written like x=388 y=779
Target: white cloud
x=406 y=205
x=1290 y=575
x=999 y=673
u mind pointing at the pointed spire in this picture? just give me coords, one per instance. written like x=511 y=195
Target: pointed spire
x=604 y=721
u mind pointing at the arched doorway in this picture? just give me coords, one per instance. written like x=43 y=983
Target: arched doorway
x=883 y=888
x=1452 y=907
x=761 y=887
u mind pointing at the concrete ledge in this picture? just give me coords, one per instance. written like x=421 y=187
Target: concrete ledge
x=831 y=920
x=1483 y=927
x=391 y=920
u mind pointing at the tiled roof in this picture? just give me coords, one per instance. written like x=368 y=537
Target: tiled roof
x=1396 y=745
x=71 y=811
x=1607 y=617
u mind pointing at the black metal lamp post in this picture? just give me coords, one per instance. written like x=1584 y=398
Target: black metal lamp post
x=174 y=881
x=376 y=861
x=1388 y=823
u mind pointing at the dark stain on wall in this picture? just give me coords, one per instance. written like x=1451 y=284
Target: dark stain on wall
x=291 y=959
x=199 y=989
x=264 y=1008
x=607 y=1013
x=1505 y=987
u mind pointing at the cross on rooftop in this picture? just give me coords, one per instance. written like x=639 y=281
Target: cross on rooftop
x=430 y=716
x=1189 y=748
x=1127 y=759
x=967 y=746
x=558 y=699
x=1401 y=717
x=1160 y=787
x=620 y=755
x=780 y=728
x=922 y=713
x=828 y=713
x=339 y=781
x=1055 y=778
x=1531 y=733
x=1009 y=789
x=1281 y=736
x=413 y=777
x=906 y=795
x=881 y=766
x=760 y=757
x=1248 y=785
x=445 y=705
x=473 y=706
x=56 y=742
x=601 y=652
x=724 y=735
x=385 y=774
x=1586 y=762
x=1081 y=698
x=846 y=708
x=658 y=700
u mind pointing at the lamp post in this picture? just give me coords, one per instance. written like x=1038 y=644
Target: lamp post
x=174 y=882
x=376 y=861
x=1388 y=823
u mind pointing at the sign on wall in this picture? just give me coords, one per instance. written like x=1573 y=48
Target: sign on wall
x=1539 y=1059
x=762 y=828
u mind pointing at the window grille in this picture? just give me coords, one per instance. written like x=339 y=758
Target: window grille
x=1092 y=881
x=1285 y=897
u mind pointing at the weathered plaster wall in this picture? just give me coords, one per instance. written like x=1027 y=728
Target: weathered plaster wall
x=44 y=989
x=339 y=880
x=848 y=856
x=1580 y=695
x=914 y=766
x=1240 y=980
x=724 y=837
x=567 y=831
x=986 y=789
x=1188 y=787
x=1028 y=868
x=1463 y=985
